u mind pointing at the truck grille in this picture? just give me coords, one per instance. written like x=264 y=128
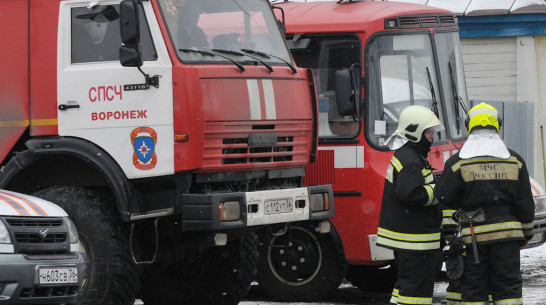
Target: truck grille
x=238 y=151
x=240 y=145
x=38 y=236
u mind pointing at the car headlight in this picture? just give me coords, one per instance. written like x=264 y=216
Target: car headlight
x=72 y=232
x=540 y=206
x=4 y=234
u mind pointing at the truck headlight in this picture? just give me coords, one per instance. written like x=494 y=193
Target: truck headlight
x=230 y=211
x=4 y=234
x=319 y=202
x=540 y=206
x=72 y=232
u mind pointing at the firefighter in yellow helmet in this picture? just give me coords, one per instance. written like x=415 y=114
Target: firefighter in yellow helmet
x=486 y=178
x=410 y=218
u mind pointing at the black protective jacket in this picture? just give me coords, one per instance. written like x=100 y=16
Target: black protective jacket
x=499 y=186
x=410 y=217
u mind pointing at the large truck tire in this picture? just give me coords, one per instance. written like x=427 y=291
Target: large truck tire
x=113 y=278
x=216 y=276
x=379 y=278
x=300 y=265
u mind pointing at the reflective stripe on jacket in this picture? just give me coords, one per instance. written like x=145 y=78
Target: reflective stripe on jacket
x=499 y=186
x=410 y=217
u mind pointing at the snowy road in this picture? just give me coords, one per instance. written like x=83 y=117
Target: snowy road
x=533 y=268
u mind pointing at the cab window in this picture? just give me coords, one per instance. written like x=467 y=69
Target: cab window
x=95 y=34
x=325 y=55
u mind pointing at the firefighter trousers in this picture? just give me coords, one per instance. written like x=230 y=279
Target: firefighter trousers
x=497 y=273
x=416 y=273
x=453 y=294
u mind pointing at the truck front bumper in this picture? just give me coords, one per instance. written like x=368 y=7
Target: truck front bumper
x=204 y=212
x=20 y=279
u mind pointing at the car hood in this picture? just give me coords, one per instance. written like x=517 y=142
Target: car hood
x=16 y=204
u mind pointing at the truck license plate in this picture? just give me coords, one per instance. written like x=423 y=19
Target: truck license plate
x=61 y=275
x=278 y=206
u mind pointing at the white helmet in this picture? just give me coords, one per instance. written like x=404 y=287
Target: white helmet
x=414 y=120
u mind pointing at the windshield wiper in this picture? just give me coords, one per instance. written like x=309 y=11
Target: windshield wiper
x=241 y=54
x=207 y=53
x=434 y=100
x=265 y=55
x=433 y=93
x=455 y=98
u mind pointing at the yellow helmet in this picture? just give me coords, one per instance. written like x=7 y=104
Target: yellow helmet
x=483 y=115
x=414 y=120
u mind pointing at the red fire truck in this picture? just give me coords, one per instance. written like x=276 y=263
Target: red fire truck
x=371 y=59
x=169 y=130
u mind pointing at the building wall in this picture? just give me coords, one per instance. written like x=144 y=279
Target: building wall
x=508 y=69
x=490 y=68
x=540 y=107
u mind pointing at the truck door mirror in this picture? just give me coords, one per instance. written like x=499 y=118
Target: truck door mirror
x=348 y=91
x=297 y=43
x=129 y=23
x=130 y=54
x=280 y=22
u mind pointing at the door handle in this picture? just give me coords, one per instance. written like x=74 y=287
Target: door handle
x=68 y=106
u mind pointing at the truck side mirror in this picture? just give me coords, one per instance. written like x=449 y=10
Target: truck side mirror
x=130 y=54
x=297 y=43
x=348 y=91
x=129 y=23
x=280 y=22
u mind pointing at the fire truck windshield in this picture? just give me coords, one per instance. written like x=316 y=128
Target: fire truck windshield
x=231 y=25
x=401 y=72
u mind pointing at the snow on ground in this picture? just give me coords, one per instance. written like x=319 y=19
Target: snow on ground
x=533 y=267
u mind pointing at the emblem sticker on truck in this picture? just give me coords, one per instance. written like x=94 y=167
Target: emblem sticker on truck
x=143 y=140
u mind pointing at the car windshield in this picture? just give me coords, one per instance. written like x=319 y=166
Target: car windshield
x=401 y=72
x=240 y=30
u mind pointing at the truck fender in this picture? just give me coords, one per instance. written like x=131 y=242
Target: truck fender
x=336 y=239
x=121 y=186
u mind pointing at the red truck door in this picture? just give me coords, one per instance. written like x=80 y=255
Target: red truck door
x=110 y=105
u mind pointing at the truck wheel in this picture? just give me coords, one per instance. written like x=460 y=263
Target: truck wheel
x=215 y=276
x=380 y=278
x=113 y=278
x=300 y=265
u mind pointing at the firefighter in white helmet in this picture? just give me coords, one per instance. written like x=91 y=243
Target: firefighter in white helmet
x=410 y=218
x=487 y=178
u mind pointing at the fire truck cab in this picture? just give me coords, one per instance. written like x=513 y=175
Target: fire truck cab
x=169 y=130
x=370 y=59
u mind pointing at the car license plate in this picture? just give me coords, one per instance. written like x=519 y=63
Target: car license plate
x=278 y=206
x=60 y=275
